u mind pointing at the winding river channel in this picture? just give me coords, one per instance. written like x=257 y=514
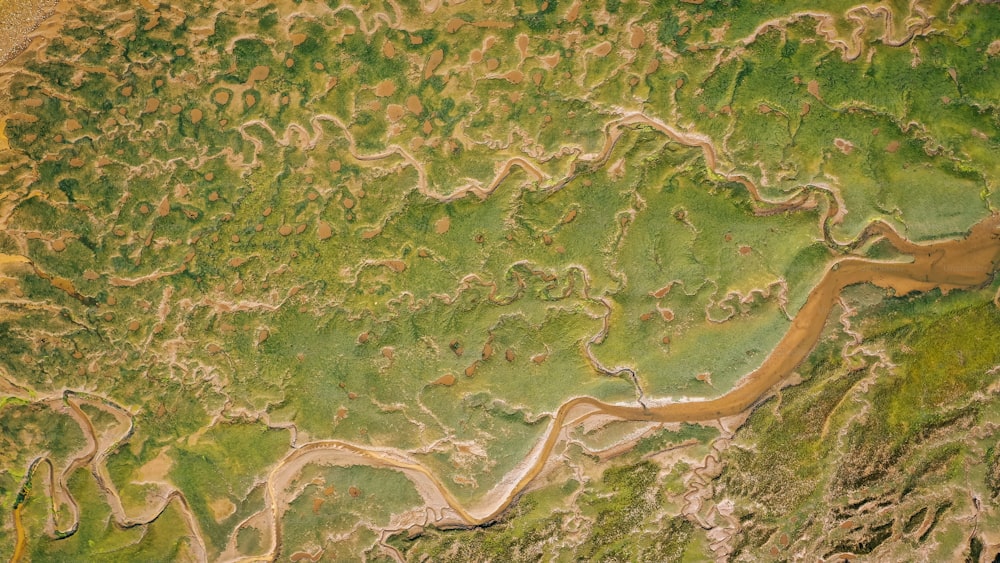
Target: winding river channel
x=964 y=263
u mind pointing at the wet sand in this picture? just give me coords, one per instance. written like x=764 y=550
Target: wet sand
x=18 y=19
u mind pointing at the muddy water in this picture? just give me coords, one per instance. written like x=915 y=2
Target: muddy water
x=19 y=528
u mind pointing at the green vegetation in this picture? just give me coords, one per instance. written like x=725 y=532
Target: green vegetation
x=856 y=437
x=617 y=516
x=353 y=503
x=99 y=537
